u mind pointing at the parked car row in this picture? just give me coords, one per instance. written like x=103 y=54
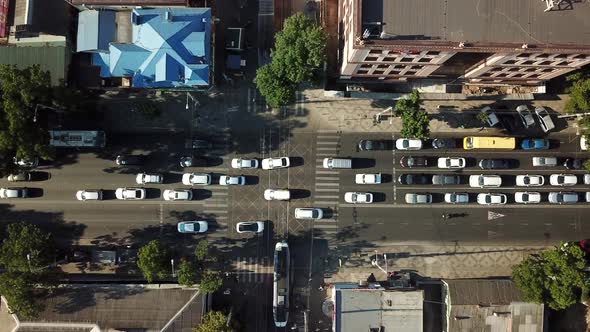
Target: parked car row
x=490 y=181
x=498 y=198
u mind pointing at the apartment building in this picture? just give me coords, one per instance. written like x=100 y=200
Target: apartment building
x=496 y=42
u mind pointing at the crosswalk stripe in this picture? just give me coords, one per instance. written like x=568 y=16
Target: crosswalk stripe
x=327 y=196
x=326 y=172
x=327 y=143
x=326 y=202
x=216 y=205
x=328 y=148
x=326 y=220
x=327 y=131
x=321 y=154
x=326 y=178
x=327 y=189
x=327 y=184
x=325 y=226
x=214 y=211
x=219 y=193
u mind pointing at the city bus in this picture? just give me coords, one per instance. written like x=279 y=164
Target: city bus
x=280 y=303
x=489 y=142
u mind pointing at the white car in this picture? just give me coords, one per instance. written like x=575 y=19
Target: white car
x=491 y=117
x=544 y=161
x=200 y=226
x=309 y=213
x=408 y=144
x=143 y=178
x=226 y=180
x=491 y=199
x=368 y=178
x=190 y=179
x=525 y=116
x=240 y=163
x=457 y=198
x=563 y=180
x=26 y=163
x=530 y=180
x=277 y=194
x=526 y=197
x=360 y=198
x=583 y=143
x=451 y=162
x=89 y=195
x=587 y=197
x=272 y=163
x=418 y=198
x=130 y=193
x=250 y=227
x=178 y=194
x=13 y=193
x=485 y=181
x=544 y=119
x=586 y=178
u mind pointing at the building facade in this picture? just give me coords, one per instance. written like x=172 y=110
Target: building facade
x=458 y=41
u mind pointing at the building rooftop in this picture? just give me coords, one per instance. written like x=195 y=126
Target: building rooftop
x=130 y=2
x=50 y=58
x=492 y=21
x=120 y=307
x=490 y=305
x=361 y=309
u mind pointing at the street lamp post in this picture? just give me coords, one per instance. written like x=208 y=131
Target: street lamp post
x=29 y=261
x=44 y=106
x=172 y=262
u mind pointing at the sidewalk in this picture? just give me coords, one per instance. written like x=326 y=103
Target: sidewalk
x=434 y=262
x=357 y=115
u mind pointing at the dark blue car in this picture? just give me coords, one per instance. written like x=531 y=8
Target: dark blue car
x=535 y=144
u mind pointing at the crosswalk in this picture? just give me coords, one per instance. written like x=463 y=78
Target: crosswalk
x=253 y=270
x=327 y=183
x=300 y=103
x=216 y=207
x=255 y=102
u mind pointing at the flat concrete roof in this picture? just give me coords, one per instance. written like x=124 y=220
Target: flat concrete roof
x=490 y=21
x=362 y=309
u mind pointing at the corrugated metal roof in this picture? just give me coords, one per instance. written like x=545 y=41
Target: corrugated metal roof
x=96 y=29
x=481 y=291
x=493 y=21
x=50 y=58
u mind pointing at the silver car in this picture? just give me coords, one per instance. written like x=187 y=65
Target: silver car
x=23 y=176
x=525 y=116
x=226 y=180
x=563 y=197
x=418 y=198
x=457 y=198
x=89 y=195
x=13 y=193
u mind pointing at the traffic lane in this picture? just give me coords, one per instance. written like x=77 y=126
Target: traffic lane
x=425 y=225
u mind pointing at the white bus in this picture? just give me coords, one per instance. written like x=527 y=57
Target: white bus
x=77 y=138
x=280 y=302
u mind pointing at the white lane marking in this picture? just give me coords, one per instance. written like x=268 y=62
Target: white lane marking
x=325 y=202
x=324 y=155
x=327 y=184
x=327 y=189
x=326 y=177
x=326 y=172
x=326 y=149
x=322 y=226
x=327 y=143
x=214 y=211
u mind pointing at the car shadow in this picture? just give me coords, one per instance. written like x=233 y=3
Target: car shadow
x=328 y=213
x=252 y=180
x=386 y=178
x=359 y=163
x=170 y=178
x=296 y=161
x=299 y=193
x=200 y=194
x=36 y=192
x=151 y=193
x=108 y=194
x=40 y=176
x=379 y=197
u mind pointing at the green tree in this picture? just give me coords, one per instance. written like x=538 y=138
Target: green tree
x=18 y=289
x=202 y=250
x=553 y=276
x=187 y=273
x=214 y=321
x=275 y=88
x=24 y=240
x=415 y=124
x=299 y=49
x=210 y=282
x=153 y=260
x=579 y=92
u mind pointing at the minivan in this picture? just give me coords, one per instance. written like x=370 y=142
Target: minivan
x=337 y=163
x=544 y=161
x=308 y=213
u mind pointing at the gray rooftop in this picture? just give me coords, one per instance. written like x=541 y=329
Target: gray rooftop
x=491 y=21
x=362 y=309
x=121 y=307
x=490 y=305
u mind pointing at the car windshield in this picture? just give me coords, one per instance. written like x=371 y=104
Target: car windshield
x=560 y=179
x=525 y=197
x=406 y=144
x=136 y=193
x=248 y=227
x=315 y=214
x=354 y=197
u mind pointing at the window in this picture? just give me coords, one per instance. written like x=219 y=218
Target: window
x=394 y=72
x=502 y=75
x=432 y=53
x=383 y=66
x=375 y=52
x=545 y=63
x=424 y=60
x=410 y=72
x=378 y=72
x=580 y=56
x=563 y=63
x=528 y=62
x=561 y=56
x=408 y=60
x=366 y=66
x=488 y=74
x=371 y=58
x=513 y=69
x=361 y=72
x=510 y=62
x=416 y=67
x=530 y=70
x=399 y=66
x=389 y=58
x=544 y=55
x=548 y=70
x=517 y=75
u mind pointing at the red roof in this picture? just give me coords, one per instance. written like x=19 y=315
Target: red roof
x=129 y=2
x=3 y=17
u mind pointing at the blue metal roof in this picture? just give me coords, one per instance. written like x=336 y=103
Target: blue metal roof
x=170 y=48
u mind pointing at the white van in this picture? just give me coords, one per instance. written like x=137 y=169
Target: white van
x=308 y=213
x=337 y=163
x=277 y=195
x=544 y=161
x=544 y=119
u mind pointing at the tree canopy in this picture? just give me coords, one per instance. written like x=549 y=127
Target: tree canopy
x=24 y=240
x=214 y=321
x=187 y=273
x=299 y=52
x=18 y=289
x=415 y=122
x=21 y=91
x=553 y=276
x=210 y=282
x=154 y=261
x=579 y=92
